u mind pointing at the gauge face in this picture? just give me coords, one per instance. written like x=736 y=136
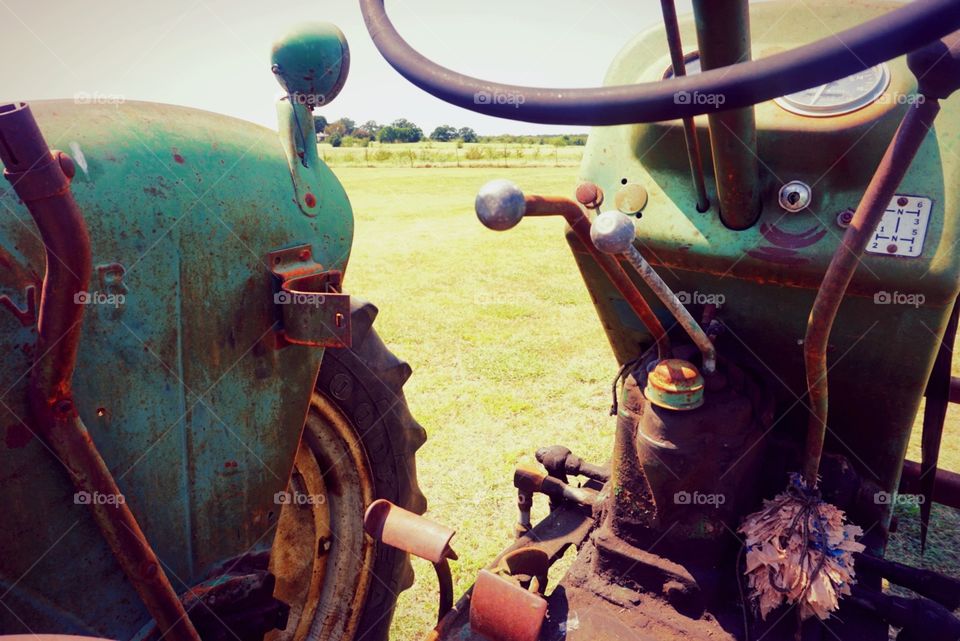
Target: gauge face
x=840 y=96
x=832 y=99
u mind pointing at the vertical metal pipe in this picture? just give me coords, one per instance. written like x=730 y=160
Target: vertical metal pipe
x=893 y=166
x=723 y=36
x=694 y=156
x=42 y=181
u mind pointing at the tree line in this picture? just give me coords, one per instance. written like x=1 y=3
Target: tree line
x=346 y=132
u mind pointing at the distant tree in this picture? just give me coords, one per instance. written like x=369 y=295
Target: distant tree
x=466 y=134
x=348 y=125
x=444 y=133
x=335 y=132
x=400 y=130
x=388 y=133
x=369 y=129
x=319 y=123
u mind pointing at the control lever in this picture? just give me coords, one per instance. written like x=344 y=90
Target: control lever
x=937 y=68
x=613 y=233
x=500 y=205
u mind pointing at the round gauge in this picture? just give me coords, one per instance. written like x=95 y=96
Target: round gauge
x=691 y=63
x=840 y=96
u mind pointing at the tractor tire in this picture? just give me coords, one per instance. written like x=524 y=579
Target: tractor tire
x=359 y=444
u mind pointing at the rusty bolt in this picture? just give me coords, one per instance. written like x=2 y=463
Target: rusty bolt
x=892 y=248
x=148 y=570
x=844 y=218
x=902 y=201
x=590 y=195
x=310 y=200
x=67 y=165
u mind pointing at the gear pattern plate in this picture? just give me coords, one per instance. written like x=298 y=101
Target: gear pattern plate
x=903 y=228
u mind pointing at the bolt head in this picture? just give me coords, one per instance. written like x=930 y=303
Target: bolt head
x=500 y=205
x=589 y=195
x=613 y=232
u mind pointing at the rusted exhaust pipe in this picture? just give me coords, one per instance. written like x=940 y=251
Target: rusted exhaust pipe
x=41 y=179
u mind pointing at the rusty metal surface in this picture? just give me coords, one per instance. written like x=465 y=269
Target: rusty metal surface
x=723 y=36
x=613 y=232
x=561 y=528
x=694 y=155
x=894 y=165
x=408 y=531
x=42 y=180
x=501 y=610
x=312 y=309
x=675 y=384
x=188 y=203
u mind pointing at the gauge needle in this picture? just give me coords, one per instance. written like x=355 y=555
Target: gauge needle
x=819 y=93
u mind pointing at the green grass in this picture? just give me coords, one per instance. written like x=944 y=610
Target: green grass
x=451 y=154
x=508 y=356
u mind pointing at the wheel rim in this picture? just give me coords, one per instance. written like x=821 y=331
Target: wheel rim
x=321 y=557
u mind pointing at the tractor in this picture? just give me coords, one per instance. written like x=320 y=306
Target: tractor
x=766 y=228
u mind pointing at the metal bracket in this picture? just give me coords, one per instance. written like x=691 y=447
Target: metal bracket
x=297 y=135
x=312 y=309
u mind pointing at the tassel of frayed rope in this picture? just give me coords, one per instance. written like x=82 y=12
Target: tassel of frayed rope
x=799 y=550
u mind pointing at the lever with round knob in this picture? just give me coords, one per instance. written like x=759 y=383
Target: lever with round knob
x=500 y=205
x=613 y=232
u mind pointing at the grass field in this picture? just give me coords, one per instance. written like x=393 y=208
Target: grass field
x=427 y=154
x=507 y=355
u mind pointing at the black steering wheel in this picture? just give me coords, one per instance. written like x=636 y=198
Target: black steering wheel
x=839 y=55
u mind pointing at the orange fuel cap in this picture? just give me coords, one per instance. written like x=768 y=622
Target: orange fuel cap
x=675 y=384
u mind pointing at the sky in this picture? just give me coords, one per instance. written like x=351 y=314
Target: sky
x=214 y=54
